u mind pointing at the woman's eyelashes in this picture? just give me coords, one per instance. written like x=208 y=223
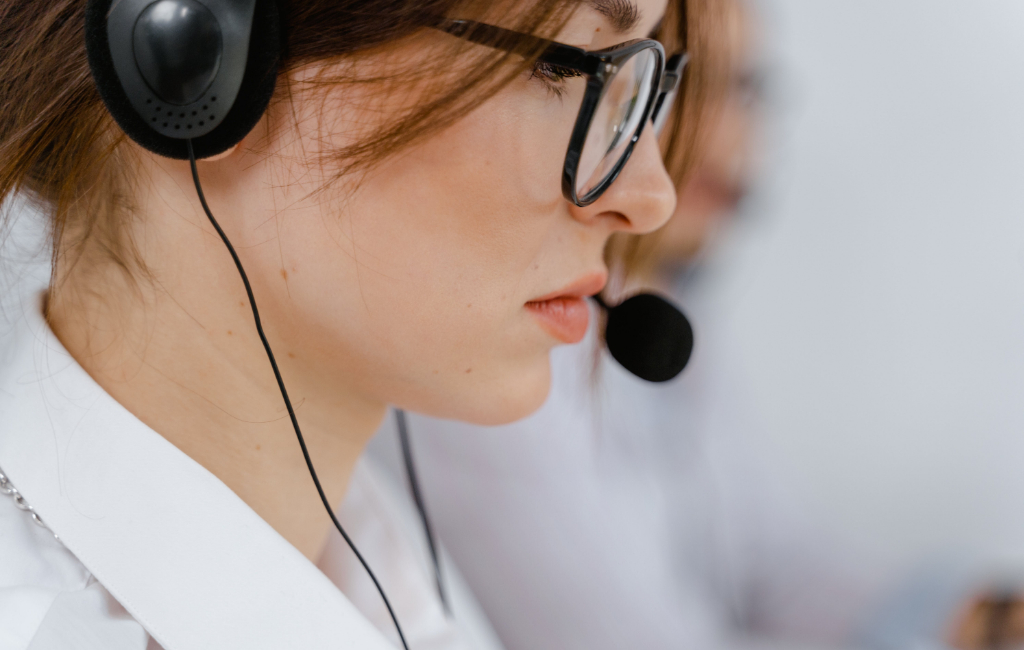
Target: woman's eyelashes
x=554 y=76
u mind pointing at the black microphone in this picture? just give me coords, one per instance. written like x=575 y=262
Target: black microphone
x=648 y=336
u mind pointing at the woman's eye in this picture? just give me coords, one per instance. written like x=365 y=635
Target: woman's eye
x=554 y=76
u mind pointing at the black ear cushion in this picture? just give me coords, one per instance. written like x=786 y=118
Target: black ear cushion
x=265 y=44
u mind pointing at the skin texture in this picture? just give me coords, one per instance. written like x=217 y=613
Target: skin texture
x=404 y=286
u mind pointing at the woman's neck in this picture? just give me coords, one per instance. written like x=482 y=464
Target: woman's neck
x=179 y=350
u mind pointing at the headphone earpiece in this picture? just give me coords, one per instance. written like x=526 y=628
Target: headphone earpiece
x=172 y=70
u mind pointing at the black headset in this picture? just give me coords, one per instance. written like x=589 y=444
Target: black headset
x=189 y=79
x=173 y=71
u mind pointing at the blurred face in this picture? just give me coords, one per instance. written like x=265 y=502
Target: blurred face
x=718 y=182
x=441 y=280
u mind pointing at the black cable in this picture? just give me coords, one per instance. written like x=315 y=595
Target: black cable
x=284 y=392
x=417 y=496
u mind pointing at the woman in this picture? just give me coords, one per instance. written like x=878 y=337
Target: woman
x=598 y=519
x=629 y=514
x=399 y=210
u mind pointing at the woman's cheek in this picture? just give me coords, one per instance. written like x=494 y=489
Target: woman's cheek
x=433 y=264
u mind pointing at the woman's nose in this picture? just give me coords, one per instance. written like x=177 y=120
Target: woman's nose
x=642 y=198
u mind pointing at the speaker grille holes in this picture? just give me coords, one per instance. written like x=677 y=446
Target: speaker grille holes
x=177 y=118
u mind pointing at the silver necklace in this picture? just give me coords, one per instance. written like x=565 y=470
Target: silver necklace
x=8 y=488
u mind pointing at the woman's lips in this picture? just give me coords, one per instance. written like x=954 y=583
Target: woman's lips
x=566 y=318
x=564 y=313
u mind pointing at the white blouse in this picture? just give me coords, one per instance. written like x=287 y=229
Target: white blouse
x=144 y=548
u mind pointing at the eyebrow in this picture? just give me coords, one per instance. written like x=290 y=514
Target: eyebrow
x=622 y=14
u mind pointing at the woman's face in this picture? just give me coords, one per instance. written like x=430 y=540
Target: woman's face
x=441 y=281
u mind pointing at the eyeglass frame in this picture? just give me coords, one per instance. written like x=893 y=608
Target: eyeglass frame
x=599 y=66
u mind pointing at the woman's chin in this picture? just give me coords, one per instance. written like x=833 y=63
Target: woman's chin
x=513 y=400
x=493 y=401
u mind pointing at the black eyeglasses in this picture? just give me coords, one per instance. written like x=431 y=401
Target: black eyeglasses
x=627 y=85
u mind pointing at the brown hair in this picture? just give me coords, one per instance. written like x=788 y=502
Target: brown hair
x=61 y=151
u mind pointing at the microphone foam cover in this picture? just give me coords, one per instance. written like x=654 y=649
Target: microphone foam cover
x=649 y=337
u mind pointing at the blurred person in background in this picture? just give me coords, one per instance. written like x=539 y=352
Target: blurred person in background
x=631 y=515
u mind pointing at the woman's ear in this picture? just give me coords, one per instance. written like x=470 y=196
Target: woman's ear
x=222 y=155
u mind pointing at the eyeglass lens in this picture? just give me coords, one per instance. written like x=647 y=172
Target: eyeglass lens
x=617 y=119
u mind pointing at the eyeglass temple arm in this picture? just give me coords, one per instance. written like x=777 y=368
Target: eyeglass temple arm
x=526 y=45
x=673 y=74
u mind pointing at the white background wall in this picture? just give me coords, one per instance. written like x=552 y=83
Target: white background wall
x=875 y=290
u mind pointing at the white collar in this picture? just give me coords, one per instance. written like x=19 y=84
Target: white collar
x=175 y=546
